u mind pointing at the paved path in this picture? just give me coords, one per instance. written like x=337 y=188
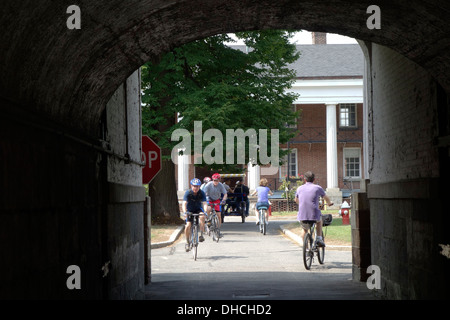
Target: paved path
x=247 y=265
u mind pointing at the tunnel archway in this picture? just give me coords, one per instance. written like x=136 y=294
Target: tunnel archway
x=84 y=67
x=66 y=77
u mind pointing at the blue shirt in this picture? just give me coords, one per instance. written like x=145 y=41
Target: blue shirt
x=263 y=194
x=194 y=201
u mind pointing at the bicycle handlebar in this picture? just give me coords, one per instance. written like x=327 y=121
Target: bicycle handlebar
x=193 y=214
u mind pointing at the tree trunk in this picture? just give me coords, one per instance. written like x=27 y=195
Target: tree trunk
x=163 y=194
x=162 y=190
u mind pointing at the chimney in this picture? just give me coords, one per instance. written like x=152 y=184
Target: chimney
x=319 y=38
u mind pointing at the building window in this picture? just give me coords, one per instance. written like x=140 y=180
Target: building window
x=294 y=125
x=352 y=163
x=289 y=166
x=347 y=115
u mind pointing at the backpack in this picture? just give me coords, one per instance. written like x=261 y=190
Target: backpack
x=327 y=219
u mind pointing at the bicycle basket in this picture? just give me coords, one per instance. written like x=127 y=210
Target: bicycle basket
x=327 y=219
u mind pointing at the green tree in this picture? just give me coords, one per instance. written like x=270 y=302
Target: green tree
x=223 y=87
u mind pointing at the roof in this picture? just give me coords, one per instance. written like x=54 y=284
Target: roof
x=326 y=60
x=329 y=60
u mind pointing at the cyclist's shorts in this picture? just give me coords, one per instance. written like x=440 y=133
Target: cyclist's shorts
x=307 y=224
x=215 y=203
x=262 y=204
x=190 y=218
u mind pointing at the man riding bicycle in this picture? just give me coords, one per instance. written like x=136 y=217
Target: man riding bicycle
x=194 y=202
x=214 y=191
x=307 y=198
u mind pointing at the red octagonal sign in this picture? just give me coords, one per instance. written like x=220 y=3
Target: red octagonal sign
x=151 y=156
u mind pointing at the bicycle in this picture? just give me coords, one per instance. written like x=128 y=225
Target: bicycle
x=213 y=219
x=310 y=242
x=262 y=219
x=193 y=243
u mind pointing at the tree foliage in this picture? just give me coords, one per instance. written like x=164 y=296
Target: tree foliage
x=225 y=88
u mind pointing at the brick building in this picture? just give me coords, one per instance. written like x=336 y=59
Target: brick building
x=329 y=131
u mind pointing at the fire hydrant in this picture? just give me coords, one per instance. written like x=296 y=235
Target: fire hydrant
x=345 y=213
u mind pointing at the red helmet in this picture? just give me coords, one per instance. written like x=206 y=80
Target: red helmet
x=206 y=179
x=216 y=176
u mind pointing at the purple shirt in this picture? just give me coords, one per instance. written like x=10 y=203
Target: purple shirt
x=308 y=198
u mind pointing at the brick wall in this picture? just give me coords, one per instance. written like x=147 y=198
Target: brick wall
x=282 y=205
x=406 y=211
x=311 y=126
x=403 y=119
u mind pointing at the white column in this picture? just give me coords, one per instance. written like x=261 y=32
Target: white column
x=183 y=172
x=332 y=169
x=366 y=107
x=253 y=176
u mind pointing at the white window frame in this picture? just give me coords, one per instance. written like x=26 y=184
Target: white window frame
x=293 y=126
x=345 y=153
x=344 y=122
x=295 y=152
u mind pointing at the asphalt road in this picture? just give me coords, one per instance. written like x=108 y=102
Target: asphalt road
x=247 y=265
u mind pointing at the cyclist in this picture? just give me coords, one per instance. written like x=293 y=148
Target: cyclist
x=263 y=192
x=194 y=202
x=242 y=190
x=205 y=182
x=214 y=189
x=307 y=198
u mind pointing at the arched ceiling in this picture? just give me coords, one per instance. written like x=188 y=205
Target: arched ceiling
x=69 y=75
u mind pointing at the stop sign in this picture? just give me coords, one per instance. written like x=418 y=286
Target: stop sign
x=151 y=156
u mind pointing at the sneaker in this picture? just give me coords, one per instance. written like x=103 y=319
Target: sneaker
x=186 y=247
x=201 y=239
x=320 y=243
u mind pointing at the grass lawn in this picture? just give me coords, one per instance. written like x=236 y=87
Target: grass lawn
x=335 y=234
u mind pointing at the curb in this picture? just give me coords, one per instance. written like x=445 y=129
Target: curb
x=180 y=229
x=171 y=240
x=299 y=240
x=291 y=235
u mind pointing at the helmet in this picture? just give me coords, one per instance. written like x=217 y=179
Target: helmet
x=196 y=182
x=206 y=179
x=216 y=176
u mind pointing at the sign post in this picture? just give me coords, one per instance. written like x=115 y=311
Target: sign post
x=151 y=156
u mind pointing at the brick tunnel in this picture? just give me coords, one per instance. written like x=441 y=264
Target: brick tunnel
x=70 y=134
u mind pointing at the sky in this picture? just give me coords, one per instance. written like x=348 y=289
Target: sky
x=304 y=37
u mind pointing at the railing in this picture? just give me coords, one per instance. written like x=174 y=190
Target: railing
x=319 y=134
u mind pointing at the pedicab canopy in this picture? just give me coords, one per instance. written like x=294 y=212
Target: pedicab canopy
x=232 y=175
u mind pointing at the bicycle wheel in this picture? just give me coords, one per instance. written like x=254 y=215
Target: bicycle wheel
x=194 y=241
x=242 y=210
x=260 y=221
x=208 y=227
x=321 y=253
x=308 y=254
x=216 y=230
x=264 y=225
